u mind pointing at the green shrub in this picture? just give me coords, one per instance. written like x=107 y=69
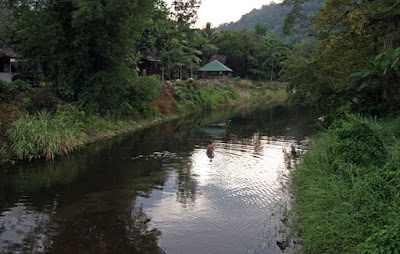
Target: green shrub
x=347 y=190
x=141 y=94
x=44 y=135
x=355 y=141
x=216 y=97
x=26 y=101
x=70 y=113
x=9 y=90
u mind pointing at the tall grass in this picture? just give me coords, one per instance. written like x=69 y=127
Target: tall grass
x=205 y=97
x=44 y=135
x=213 y=98
x=347 y=189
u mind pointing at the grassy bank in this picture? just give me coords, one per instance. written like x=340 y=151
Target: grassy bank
x=57 y=128
x=347 y=189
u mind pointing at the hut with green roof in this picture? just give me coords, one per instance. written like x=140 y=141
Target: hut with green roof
x=215 y=69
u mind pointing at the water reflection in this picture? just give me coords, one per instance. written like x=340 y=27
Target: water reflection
x=156 y=190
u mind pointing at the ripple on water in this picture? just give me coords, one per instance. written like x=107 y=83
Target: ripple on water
x=234 y=190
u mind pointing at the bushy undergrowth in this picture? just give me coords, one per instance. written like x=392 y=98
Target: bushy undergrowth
x=347 y=189
x=204 y=97
x=9 y=90
x=215 y=97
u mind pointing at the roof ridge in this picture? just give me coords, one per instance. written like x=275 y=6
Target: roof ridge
x=215 y=66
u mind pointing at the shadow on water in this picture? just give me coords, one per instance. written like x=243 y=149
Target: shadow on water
x=153 y=191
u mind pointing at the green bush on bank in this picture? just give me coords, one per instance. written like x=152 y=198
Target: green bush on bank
x=9 y=90
x=205 y=97
x=213 y=98
x=347 y=190
x=44 y=135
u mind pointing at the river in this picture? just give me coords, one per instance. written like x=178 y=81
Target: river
x=156 y=190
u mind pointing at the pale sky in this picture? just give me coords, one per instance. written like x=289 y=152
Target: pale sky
x=224 y=11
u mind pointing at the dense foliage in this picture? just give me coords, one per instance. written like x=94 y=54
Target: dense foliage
x=91 y=52
x=351 y=37
x=347 y=189
x=84 y=48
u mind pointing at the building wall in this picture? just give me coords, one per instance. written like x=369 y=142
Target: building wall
x=5 y=76
x=5 y=69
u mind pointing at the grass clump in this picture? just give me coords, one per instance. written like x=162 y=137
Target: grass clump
x=44 y=135
x=347 y=190
x=214 y=97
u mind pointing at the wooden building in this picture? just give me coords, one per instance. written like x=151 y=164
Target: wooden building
x=6 y=53
x=150 y=64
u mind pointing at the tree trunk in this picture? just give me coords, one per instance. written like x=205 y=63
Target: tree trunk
x=162 y=74
x=181 y=73
x=191 y=69
x=272 y=73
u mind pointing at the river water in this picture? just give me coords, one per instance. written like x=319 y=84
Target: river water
x=156 y=190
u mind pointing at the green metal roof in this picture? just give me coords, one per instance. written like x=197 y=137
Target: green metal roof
x=215 y=66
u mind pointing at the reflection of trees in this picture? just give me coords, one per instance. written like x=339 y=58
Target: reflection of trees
x=91 y=193
x=268 y=121
x=101 y=232
x=187 y=185
x=179 y=128
x=138 y=233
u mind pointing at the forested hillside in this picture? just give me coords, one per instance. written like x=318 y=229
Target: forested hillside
x=273 y=16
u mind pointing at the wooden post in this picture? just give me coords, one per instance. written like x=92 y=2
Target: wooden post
x=191 y=69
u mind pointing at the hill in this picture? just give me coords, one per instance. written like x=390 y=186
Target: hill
x=273 y=16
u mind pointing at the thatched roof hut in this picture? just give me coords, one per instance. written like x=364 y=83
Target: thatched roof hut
x=6 y=50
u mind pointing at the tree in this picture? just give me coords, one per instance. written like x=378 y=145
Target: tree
x=207 y=45
x=273 y=53
x=84 y=47
x=158 y=31
x=261 y=29
x=230 y=44
x=185 y=11
x=377 y=86
x=348 y=33
x=4 y=13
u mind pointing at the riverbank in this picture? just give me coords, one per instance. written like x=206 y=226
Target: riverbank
x=37 y=125
x=347 y=189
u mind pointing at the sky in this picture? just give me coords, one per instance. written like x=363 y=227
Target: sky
x=224 y=11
